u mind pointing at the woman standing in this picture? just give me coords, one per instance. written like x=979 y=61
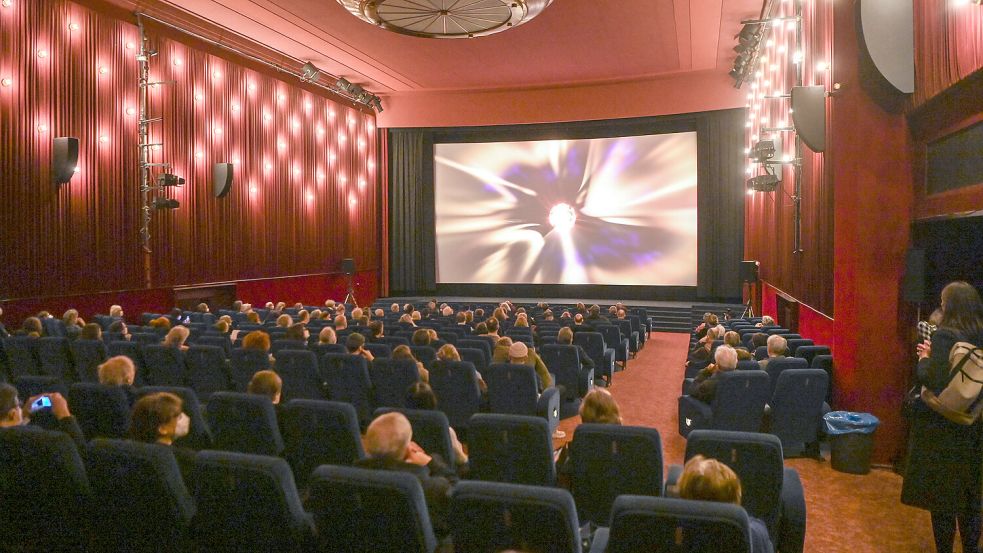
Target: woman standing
x=945 y=463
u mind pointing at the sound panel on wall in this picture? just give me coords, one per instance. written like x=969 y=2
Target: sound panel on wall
x=64 y=158
x=222 y=179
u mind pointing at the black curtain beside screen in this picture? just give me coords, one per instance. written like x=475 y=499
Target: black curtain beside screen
x=720 y=204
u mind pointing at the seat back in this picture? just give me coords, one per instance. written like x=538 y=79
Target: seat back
x=199 y=434
x=431 y=431
x=739 y=403
x=391 y=378
x=677 y=525
x=424 y=354
x=810 y=352
x=300 y=374
x=760 y=353
x=221 y=341
x=244 y=363
x=797 y=405
x=511 y=448
x=475 y=356
x=512 y=389
x=101 y=411
x=319 y=433
x=279 y=345
x=825 y=362
x=378 y=350
x=794 y=344
x=140 y=502
x=776 y=366
x=563 y=361
x=88 y=355
x=129 y=349
x=455 y=383
x=22 y=356
x=165 y=366
x=208 y=371
x=748 y=365
x=611 y=460
x=493 y=516
x=28 y=386
x=393 y=341
x=43 y=486
x=755 y=458
x=347 y=378
x=53 y=327
x=245 y=423
x=248 y=503
x=55 y=357
x=379 y=511
x=477 y=343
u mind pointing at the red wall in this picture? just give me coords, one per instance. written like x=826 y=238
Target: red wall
x=812 y=324
x=309 y=289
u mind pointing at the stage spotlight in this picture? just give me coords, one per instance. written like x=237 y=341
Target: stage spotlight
x=165 y=203
x=763 y=151
x=167 y=179
x=377 y=103
x=562 y=217
x=749 y=34
x=763 y=183
x=309 y=73
x=343 y=84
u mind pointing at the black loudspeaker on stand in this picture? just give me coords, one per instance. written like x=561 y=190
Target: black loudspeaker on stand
x=749 y=277
x=348 y=267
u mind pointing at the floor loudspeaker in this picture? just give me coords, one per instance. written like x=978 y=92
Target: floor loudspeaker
x=348 y=265
x=749 y=271
x=64 y=158
x=222 y=179
x=913 y=285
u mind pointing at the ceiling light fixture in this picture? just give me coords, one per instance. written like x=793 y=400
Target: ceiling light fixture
x=458 y=20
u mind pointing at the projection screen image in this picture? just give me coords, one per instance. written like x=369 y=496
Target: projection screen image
x=613 y=211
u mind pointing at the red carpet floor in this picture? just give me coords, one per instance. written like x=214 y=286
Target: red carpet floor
x=846 y=513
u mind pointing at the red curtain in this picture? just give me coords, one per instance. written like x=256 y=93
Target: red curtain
x=306 y=186
x=948 y=45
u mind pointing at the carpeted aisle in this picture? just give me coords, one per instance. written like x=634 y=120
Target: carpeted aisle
x=846 y=513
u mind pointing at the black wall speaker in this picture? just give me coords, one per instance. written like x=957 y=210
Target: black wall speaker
x=64 y=158
x=222 y=179
x=913 y=284
x=749 y=271
x=348 y=265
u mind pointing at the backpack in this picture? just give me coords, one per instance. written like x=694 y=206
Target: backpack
x=962 y=399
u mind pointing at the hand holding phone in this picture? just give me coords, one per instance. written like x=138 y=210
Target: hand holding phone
x=43 y=402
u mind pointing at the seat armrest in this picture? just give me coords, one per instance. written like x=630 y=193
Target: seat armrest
x=792 y=524
x=687 y=384
x=600 y=542
x=586 y=381
x=672 y=480
x=693 y=414
x=548 y=406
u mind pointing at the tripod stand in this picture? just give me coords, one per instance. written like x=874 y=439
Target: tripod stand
x=350 y=296
x=748 y=307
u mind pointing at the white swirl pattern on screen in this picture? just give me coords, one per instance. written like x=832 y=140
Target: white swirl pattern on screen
x=630 y=215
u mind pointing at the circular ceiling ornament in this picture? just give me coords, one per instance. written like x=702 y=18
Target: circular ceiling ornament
x=446 y=18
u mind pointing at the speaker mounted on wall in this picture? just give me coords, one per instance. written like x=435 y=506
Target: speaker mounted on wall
x=222 y=179
x=64 y=158
x=348 y=265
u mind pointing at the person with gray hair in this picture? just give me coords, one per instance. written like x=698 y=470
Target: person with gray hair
x=705 y=384
x=389 y=445
x=777 y=347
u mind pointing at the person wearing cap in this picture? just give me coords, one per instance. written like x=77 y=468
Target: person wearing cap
x=520 y=354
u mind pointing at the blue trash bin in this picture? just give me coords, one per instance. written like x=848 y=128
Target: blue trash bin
x=851 y=440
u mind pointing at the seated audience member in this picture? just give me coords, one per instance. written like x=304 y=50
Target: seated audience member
x=403 y=351
x=594 y=315
x=31 y=327
x=565 y=337
x=766 y=321
x=202 y=308
x=705 y=383
x=493 y=325
x=176 y=337
x=448 y=352
x=355 y=344
x=252 y=317
x=315 y=315
x=268 y=384
x=237 y=306
x=522 y=320
x=119 y=371
x=394 y=308
x=406 y=321
x=598 y=407
x=340 y=322
x=303 y=316
x=501 y=352
x=758 y=339
x=222 y=327
x=520 y=354
x=612 y=311
x=284 y=321
x=297 y=331
x=160 y=323
x=160 y=419
x=408 y=308
x=709 y=321
x=579 y=324
x=327 y=336
x=389 y=446
x=115 y=311
x=280 y=306
x=733 y=340
x=447 y=311
x=581 y=308
x=478 y=314
x=259 y=341
x=421 y=337
x=378 y=331
x=91 y=331
x=379 y=313
x=56 y=417
x=548 y=315
x=329 y=305
x=420 y=396
x=480 y=329
x=777 y=346
x=73 y=324
x=499 y=314
x=269 y=306
x=701 y=352
x=356 y=314
x=120 y=329
x=710 y=480
x=416 y=316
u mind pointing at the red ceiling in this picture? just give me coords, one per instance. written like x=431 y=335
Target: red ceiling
x=571 y=42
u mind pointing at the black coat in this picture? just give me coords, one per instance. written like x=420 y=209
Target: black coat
x=945 y=459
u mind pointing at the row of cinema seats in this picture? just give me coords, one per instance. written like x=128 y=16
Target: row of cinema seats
x=787 y=399
x=125 y=496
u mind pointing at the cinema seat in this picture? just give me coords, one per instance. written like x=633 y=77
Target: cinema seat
x=797 y=407
x=455 y=383
x=101 y=411
x=301 y=375
x=347 y=379
x=391 y=378
x=199 y=434
x=512 y=390
x=245 y=423
x=319 y=433
x=738 y=404
x=511 y=448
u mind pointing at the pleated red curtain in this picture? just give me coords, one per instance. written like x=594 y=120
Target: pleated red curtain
x=948 y=45
x=306 y=187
